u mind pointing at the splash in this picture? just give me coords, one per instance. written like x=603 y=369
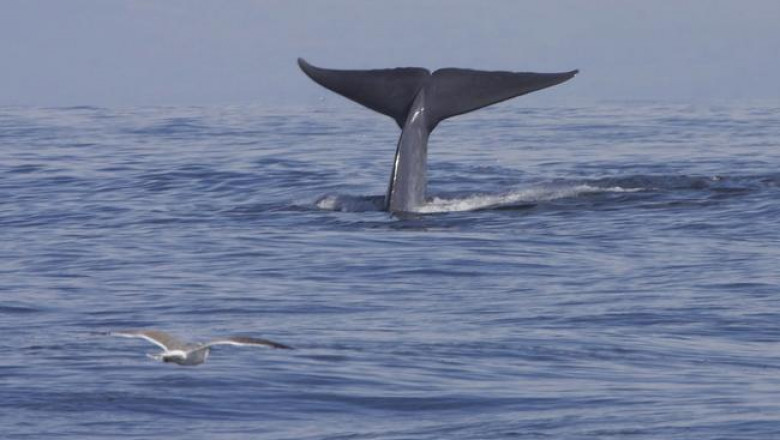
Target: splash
x=515 y=198
x=473 y=202
x=346 y=203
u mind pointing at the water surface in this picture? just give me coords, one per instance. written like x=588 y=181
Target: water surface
x=603 y=272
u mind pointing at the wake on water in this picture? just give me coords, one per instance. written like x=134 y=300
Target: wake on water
x=514 y=199
x=517 y=198
x=550 y=192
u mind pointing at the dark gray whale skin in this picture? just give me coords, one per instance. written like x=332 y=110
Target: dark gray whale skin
x=418 y=100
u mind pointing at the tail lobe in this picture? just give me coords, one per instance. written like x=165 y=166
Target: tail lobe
x=452 y=92
x=387 y=91
x=449 y=92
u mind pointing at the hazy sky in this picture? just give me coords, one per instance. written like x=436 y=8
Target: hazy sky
x=181 y=52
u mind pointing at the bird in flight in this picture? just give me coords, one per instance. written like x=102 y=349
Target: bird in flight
x=188 y=353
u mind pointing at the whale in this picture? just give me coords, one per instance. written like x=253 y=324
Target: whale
x=418 y=101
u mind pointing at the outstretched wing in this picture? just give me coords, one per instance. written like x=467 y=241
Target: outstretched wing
x=244 y=340
x=162 y=339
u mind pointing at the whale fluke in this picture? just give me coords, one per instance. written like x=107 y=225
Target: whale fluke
x=387 y=91
x=418 y=100
x=453 y=92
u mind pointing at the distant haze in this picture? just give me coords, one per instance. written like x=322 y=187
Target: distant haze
x=202 y=52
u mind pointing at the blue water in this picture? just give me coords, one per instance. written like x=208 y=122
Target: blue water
x=602 y=272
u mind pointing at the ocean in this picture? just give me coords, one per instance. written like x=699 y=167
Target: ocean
x=609 y=271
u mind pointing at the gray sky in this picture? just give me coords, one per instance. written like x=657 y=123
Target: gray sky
x=201 y=52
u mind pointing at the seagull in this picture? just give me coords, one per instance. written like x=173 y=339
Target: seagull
x=187 y=353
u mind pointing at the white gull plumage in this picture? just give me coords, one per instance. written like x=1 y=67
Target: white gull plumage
x=187 y=353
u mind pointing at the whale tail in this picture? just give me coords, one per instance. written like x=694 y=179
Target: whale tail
x=449 y=92
x=418 y=100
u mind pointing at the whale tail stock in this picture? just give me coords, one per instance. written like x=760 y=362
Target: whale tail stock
x=418 y=100
x=449 y=92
